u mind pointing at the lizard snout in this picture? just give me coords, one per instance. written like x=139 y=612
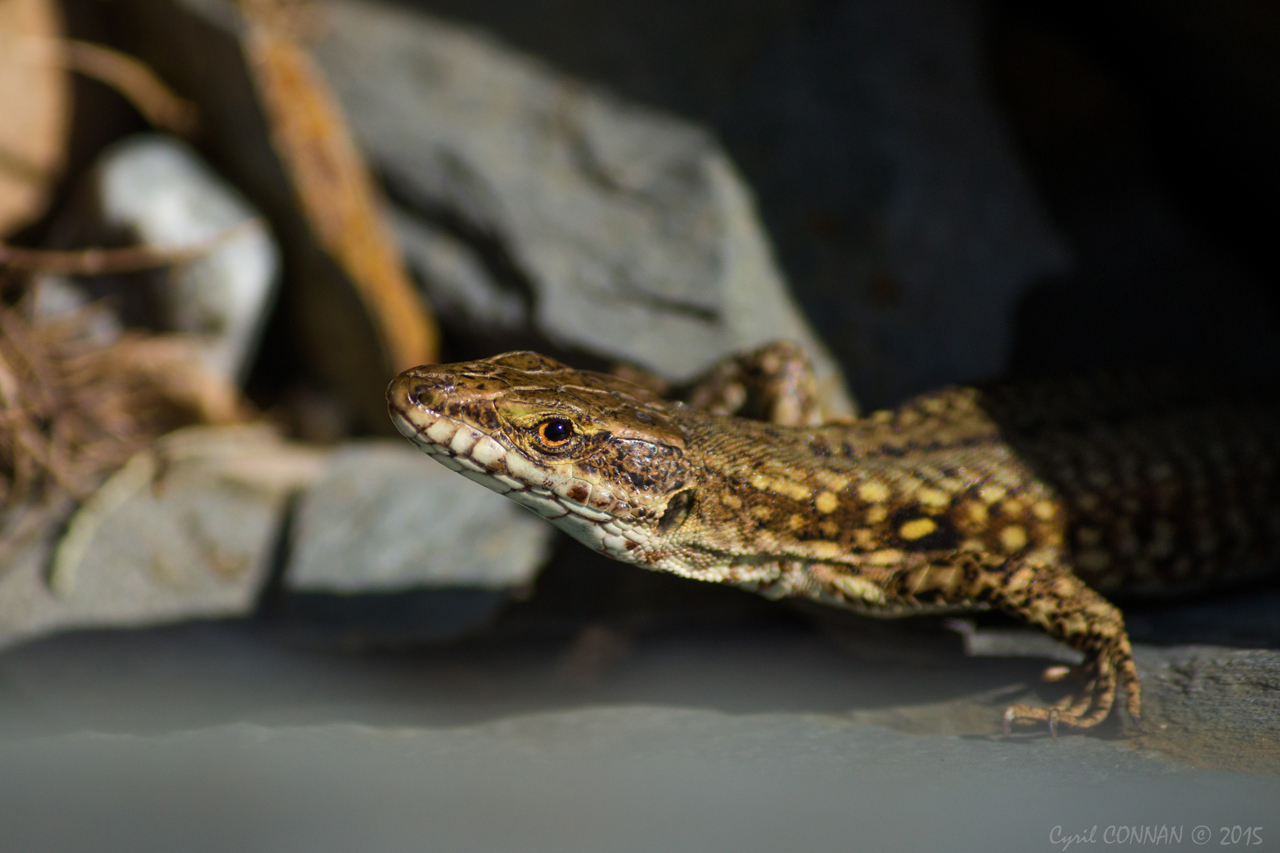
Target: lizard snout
x=420 y=387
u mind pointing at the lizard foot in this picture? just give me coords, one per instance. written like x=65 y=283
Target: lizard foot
x=1092 y=702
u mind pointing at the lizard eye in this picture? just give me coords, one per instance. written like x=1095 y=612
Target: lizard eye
x=555 y=432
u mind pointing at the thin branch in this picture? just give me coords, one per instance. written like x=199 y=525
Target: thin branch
x=98 y=261
x=133 y=79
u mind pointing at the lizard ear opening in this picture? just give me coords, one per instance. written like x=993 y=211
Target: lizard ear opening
x=677 y=511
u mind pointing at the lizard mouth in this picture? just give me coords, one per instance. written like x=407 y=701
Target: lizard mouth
x=414 y=406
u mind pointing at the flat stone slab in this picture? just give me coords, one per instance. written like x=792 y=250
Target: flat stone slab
x=630 y=778
x=736 y=741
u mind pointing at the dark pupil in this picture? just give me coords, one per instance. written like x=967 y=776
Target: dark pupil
x=556 y=431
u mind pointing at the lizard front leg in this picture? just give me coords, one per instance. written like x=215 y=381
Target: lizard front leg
x=774 y=383
x=1050 y=596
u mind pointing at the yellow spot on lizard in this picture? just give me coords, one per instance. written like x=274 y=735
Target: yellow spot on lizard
x=873 y=491
x=991 y=494
x=825 y=502
x=1013 y=538
x=917 y=528
x=935 y=498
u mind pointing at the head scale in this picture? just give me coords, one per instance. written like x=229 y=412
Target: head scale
x=598 y=456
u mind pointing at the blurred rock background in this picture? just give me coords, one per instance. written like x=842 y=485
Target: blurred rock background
x=238 y=221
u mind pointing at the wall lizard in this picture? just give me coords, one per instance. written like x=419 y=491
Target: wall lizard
x=1036 y=500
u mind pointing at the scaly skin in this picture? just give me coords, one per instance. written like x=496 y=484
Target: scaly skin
x=1030 y=500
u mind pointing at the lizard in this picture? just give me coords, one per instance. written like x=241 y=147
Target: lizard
x=1037 y=500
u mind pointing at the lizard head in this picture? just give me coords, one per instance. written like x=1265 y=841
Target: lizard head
x=598 y=456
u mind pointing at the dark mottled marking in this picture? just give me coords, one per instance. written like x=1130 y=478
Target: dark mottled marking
x=820 y=448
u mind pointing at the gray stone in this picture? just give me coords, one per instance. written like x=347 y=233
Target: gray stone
x=625 y=779
x=625 y=233
x=185 y=529
x=882 y=164
x=385 y=518
x=460 y=285
x=158 y=191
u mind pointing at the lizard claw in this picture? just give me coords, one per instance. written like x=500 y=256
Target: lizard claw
x=1055 y=673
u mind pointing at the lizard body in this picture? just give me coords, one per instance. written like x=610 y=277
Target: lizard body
x=1032 y=502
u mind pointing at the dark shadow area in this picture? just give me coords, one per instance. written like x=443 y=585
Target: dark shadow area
x=1149 y=131
x=198 y=675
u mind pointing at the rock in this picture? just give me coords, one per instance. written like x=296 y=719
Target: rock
x=1207 y=688
x=35 y=98
x=385 y=518
x=391 y=546
x=1202 y=704
x=162 y=195
x=1010 y=641
x=1212 y=706
x=460 y=285
x=526 y=198
x=610 y=778
x=186 y=529
x=867 y=130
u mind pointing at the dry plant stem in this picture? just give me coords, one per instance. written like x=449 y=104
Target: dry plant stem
x=49 y=452
x=72 y=411
x=133 y=79
x=97 y=261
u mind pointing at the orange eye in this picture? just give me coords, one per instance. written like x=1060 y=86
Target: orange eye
x=555 y=432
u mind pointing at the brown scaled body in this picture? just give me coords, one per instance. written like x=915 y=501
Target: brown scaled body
x=1035 y=499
